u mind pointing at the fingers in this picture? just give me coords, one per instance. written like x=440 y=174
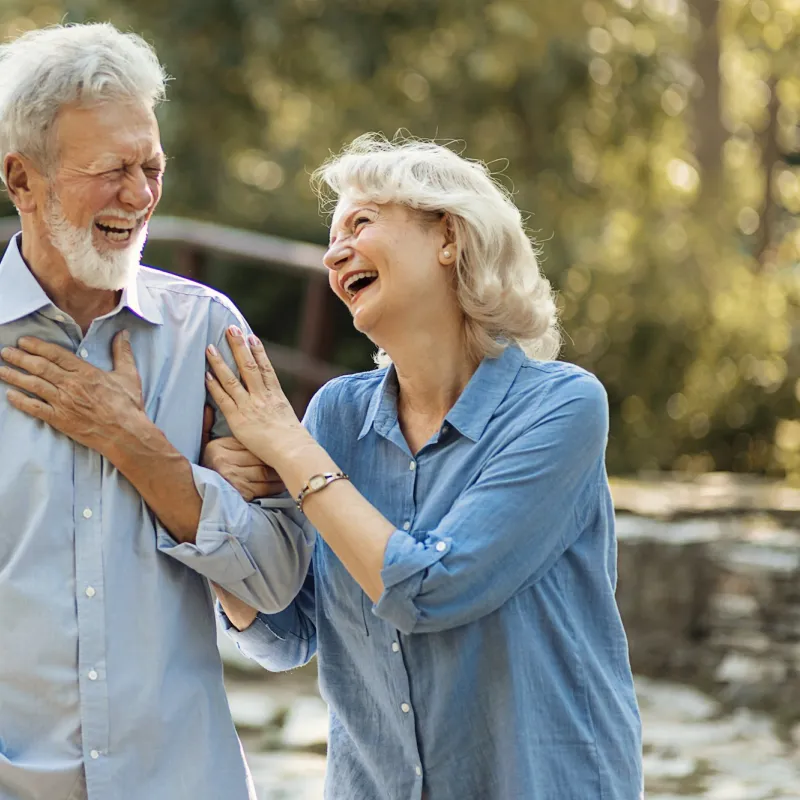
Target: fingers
x=31 y=406
x=220 y=396
x=33 y=364
x=30 y=383
x=223 y=379
x=52 y=352
x=248 y=369
x=264 y=365
x=208 y=424
x=122 y=354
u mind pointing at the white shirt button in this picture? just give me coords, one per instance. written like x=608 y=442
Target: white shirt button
x=83 y=352
x=445 y=428
x=418 y=770
x=90 y=592
x=92 y=675
x=87 y=513
x=441 y=547
x=395 y=647
x=405 y=708
x=412 y=466
x=94 y=754
x=406 y=526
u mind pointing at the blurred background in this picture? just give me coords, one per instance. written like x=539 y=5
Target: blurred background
x=654 y=146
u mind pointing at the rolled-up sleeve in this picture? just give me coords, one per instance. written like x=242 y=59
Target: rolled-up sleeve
x=259 y=554
x=521 y=513
x=281 y=641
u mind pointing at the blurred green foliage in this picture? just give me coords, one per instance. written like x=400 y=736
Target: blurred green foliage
x=650 y=142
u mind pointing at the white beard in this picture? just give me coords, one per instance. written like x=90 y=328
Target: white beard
x=112 y=270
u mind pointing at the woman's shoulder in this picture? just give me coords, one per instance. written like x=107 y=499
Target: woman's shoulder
x=559 y=381
x=346 y=397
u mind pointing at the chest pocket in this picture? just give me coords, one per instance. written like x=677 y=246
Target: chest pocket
x=35 y=487
x=29 y=445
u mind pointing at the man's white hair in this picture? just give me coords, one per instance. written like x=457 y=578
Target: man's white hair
x=46 y=69
x=500 y=288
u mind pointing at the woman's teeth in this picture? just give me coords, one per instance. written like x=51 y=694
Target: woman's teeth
x=365 y=278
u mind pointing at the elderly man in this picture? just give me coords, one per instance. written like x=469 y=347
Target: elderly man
x=110 y=680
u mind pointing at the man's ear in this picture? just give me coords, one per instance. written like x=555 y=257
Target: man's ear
x=20 y=175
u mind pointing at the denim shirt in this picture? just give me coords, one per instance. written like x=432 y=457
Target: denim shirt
x=108 y=651
x=495 y=664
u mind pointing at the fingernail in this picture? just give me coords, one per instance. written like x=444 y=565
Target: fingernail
x=212 y=350
x=235 y=331
x=209 y=377
x=254 y=340
x=126 y=337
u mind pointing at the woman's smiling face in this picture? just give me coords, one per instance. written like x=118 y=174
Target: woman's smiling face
x=385 y=265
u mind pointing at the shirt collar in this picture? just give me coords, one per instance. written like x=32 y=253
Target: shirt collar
x=473 y=409
x=21 y=294
x=485 y=391
x=136 y=296
x=382 y=409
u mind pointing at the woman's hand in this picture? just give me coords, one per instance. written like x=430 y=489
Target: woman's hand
x=250 y=476
x=257 y=411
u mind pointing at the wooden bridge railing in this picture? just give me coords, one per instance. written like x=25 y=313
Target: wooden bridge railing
x=194 y=241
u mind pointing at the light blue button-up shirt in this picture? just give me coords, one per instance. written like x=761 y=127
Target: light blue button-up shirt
x=108 y=656
x=495 y=665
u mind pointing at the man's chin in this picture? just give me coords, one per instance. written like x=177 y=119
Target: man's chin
x=104 y=275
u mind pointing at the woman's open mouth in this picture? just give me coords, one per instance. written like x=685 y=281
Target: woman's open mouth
x=354 y=284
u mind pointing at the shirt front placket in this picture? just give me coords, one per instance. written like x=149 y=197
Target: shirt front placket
x=90 y=589
x=410 y=467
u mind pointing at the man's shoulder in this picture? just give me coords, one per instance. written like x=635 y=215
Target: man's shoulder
x=163 y=285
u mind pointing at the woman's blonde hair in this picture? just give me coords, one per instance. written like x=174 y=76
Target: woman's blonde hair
x=501 y=290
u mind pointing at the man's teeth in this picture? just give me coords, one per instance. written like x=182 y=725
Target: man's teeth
x=356 y=277
x=116 y=233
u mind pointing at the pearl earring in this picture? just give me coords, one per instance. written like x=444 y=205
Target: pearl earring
x=446 y=254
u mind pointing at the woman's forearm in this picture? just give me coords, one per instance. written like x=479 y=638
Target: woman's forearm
x=353 y=528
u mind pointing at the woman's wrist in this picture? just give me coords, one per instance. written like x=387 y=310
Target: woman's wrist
x=298 y=457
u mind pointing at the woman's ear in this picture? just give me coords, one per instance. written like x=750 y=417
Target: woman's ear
x=448 y=251
x=448 y=254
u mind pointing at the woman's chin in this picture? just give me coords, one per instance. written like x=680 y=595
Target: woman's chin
x=363 y=320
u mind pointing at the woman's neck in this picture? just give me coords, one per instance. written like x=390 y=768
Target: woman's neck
x=432 y=372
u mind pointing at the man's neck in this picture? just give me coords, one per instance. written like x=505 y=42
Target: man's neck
x=80 y=302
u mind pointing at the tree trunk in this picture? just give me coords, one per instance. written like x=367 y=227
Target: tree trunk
x=769 y=158
x=710 y=133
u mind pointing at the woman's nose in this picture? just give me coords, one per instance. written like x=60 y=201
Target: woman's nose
x=336 y=256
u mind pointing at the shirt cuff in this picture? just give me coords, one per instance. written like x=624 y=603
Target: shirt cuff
x=217 y=552
x=404 y=564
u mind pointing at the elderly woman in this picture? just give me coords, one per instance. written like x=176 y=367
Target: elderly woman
x=460 y=600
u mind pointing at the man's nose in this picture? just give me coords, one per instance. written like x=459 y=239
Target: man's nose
x=136 y=191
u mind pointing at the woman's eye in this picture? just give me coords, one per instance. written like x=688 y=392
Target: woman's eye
x=360 y=221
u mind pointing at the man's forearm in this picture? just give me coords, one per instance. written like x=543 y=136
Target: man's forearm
x=161 y=475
